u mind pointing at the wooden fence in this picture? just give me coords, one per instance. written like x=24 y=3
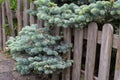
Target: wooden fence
x=7 y=16
x=84 y=56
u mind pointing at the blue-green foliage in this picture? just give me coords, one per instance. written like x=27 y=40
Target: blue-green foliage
x=35 y=50
x=77 y=16
x=78 y=2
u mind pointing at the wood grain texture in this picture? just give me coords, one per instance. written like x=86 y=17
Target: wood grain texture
x=26 y=16
x=77 y=56
x=105 y=54
x=3 y=29
x=20 y=14
x=40 y=23
x=32 y=18
x=83 y=72
x=67 y=38
x=117 y=66
x=57 y=30
x=10 y=17
x=55 y=76
x=91 y=51
x=115 y=38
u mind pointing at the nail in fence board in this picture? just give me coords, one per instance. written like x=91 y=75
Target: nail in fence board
x=105 y=54
x=77 y=56
x=91 y=51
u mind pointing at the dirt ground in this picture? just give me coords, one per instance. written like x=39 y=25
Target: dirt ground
x=8 y=72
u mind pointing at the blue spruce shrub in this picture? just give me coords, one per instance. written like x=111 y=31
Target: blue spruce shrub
x=36 y=51
x=76 y=16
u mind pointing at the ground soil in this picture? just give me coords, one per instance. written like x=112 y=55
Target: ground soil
x=8 y=72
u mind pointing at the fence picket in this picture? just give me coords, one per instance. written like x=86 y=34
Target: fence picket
x=77 y=56
x=92 y=35
x=67 y=39
x=3 y=23
x=117 y=66
x=105 y=55
x=0 y=28
x=55 y=76
x=32 y=18
x=10 y=17
x=57 y=30
x=91 y=51
x=26 y=16
x=40 y=23
x=19 y=14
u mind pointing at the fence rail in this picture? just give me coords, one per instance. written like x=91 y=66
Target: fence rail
x=105 y=38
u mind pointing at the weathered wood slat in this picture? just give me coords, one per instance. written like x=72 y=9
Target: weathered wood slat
x=32 y=18
x=3 y=23
x=77 y=56
x=55 y=76
x=105 y=54
x=117 y=66
x=40 y=23
x=67 y=39
x=19 y=14
x=83 y=72
x=115 y=38
x=0 y=28
x=91 y=51
x=57 y=30
x=9 y=16
x=26 y=16
x=115 y=41
x=104 y=38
